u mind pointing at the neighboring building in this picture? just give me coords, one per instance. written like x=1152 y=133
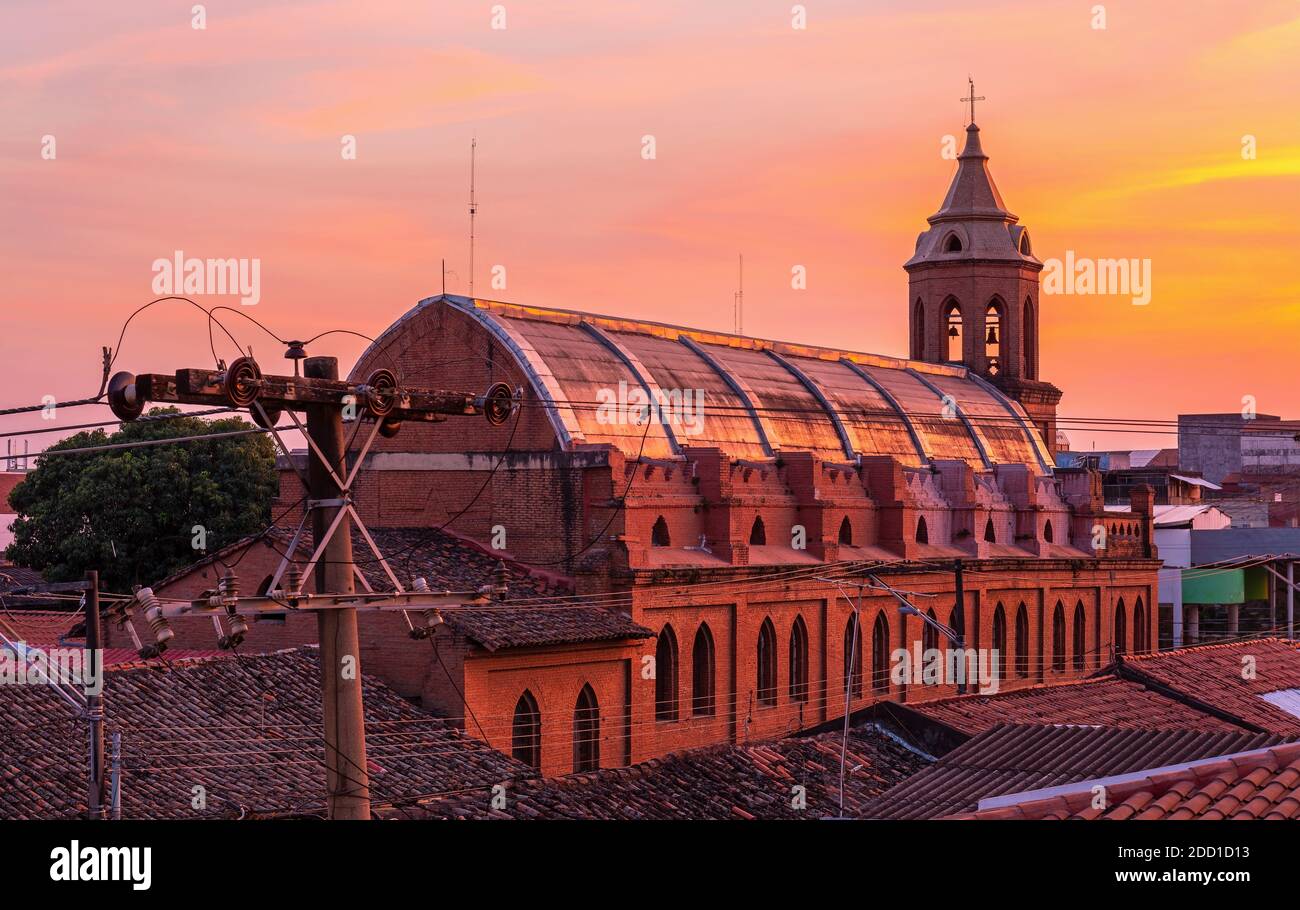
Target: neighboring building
x=1218 y=446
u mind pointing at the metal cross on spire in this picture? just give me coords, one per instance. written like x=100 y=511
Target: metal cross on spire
x=972 y=98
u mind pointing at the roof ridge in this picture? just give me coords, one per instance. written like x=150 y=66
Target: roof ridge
x=1211 y=646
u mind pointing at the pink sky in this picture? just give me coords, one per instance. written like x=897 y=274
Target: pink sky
x=817 y=147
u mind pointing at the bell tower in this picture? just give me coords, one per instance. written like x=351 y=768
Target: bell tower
x=973 y=289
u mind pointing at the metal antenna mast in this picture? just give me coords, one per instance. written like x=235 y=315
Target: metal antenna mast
x=473 y=210
x=739 y=299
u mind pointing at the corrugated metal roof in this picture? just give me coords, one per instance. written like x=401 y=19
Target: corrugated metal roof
x=759 y=395
x=1014 y=758
x=1286 y=699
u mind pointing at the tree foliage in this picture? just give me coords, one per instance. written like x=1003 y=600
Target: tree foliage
x=133 y=513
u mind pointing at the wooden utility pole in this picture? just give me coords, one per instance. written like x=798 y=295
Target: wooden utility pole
x=93 y=671
x=347 y=781
x=323 y=397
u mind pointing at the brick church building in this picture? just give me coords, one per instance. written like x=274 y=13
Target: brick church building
x=690 y=579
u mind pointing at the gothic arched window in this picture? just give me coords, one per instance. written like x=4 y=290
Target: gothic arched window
x=922 y=532
x=1058 y=637
x=846 y=532
x=526 y=731
x=993 y=336
x=1080 y=636
x=853 y=657
x=1029 y=328
x=1139 y=627
x=757 y=534
x=798 y=660
x=766 y=664
x=702 y=672
x=666 y=675
x=955 y=328
x=659 y=533
x=1022 y=641
x=1121 y=628
x=880 y=654
x=1000 y=640
x=586 y=731
x=918 y=331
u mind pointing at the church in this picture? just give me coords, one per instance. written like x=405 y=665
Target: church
x=743 y=559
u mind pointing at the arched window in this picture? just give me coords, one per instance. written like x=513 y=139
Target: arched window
x=766 y=664
x=702 y=672
x=666 y=675
x=952 y=244
x=929 y=634
x=586 y=731
x=993 y=336
x=798 y=660
x=1025 y=248
x=1022 y=641
x=659 y=534
x=1047 y=531
x=918 y=331
x=955 y=327
x=1000 y=640
x=880 y=654
x=758 y=534
x=1121 y=628
x=1058 y=637
x=846 y=532
x=1080 y=636
x=1140 y=644
x=526 y=732
x=922 y=532
x=853 y=657
x=1030 y=330
x=989 y=534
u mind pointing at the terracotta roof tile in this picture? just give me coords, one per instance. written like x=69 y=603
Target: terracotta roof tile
x=246 y=729
x=1109 y=701
x=714 y=783
x=1230 y=677
x=449 y=562
x=1015 y=758
x=1259 y=784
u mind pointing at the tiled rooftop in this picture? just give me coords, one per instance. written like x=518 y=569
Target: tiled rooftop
x=452 y=563
x=1015 y=758
x=1109 y=701
x=1262 y=784
x=725 y=782
x=1230 y=677
x=245 y=729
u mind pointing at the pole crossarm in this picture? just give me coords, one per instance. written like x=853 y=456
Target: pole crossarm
x=208 y=387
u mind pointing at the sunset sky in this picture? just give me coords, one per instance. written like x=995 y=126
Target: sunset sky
x=817 y=147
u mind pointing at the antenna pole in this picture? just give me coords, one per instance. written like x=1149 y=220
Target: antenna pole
x=740 y=299
x=473 y=210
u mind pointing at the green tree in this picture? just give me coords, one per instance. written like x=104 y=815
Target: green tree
x=132 y=513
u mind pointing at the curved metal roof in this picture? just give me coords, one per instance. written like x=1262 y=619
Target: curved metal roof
x=760 y=397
